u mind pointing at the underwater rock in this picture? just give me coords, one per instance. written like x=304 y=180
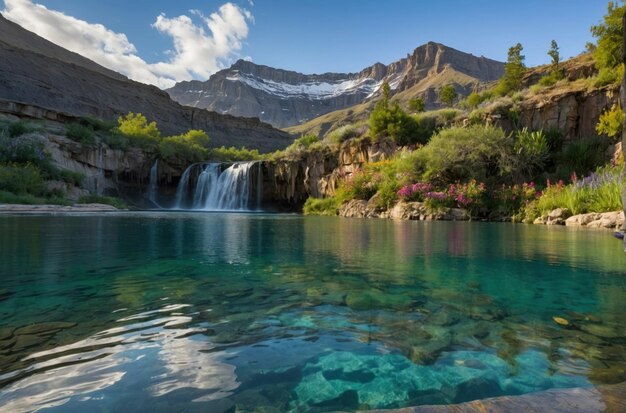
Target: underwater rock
x=561 y=321
x=44 y=328
x=602 y=331
x=477 y=388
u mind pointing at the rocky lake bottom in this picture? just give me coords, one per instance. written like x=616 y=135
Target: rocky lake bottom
x=159 y=312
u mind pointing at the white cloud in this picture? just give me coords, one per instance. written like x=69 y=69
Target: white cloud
x=197 y=52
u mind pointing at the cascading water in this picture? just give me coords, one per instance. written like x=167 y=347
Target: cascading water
x=153 y=183
x=219 y=189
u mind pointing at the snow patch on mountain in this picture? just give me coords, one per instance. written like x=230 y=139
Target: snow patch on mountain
x=309 y=90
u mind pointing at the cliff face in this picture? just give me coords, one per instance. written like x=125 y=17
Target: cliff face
x=575 y=113
x=286 y=98
x=288 y=183
x=36 y=72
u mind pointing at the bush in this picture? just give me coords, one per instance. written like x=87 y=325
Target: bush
x=531 y=153
x=189 y=147
x=22 y=179
x=599 y=192
x=80 y=133
x=611 y=122
x=344 y=133
x=99 y=199
x=18 y=128
x=609 y=76
x=145 y=135
x=461 y=154
x=581 y=156
x=389 y=120
x=233 y=154
x=551 y=78
x=116 y=141
x=321 y=206
x=417 y=105
x=23 y=151
x=97 y=124
x=510 y=200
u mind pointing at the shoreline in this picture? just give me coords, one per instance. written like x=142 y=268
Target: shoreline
x=53 y=209
x=575 y=221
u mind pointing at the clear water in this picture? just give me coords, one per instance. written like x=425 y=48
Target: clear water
x=173 y=312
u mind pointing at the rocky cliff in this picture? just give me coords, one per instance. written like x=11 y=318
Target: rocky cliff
x=285 y=98
x=288 y=183
x=34 y=71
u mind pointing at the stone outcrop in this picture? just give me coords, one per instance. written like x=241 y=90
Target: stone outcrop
x=35 y=73
x=415 y=211
x=285 y=98
x=609 y=220
x=562 y=216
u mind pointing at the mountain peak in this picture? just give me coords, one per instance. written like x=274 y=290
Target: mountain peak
x=285 y=98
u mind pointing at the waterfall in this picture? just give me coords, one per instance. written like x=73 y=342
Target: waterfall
x=153 y=183
x=183 y=188
x=219 y=189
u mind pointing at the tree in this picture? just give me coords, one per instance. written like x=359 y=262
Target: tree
x=391 y=121
x=473 y=100
x=554 y=54
x=608 y=52
x=137 y=126
x=447 y=95
x=417 y=105
x=513 y=71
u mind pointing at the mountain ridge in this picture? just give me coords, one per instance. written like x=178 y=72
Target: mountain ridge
x=286 y=98
x=35 y=71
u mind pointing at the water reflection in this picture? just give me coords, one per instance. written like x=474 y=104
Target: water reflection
x=221 y=311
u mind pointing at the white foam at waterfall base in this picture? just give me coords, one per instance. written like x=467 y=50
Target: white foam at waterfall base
x=219 y=190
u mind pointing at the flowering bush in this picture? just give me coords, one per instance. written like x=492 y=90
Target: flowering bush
x=511 y=199
x=415 y=192
x=598 y=192
x=468 y=196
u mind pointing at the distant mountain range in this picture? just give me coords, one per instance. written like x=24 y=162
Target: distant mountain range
x=285 y=98
x=37 y=72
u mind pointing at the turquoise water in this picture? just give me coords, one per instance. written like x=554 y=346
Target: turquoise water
x=184 y=312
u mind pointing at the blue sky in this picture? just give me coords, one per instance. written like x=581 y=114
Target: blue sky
x=315 y=36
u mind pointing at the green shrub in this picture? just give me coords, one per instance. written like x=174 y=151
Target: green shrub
x=611 y=122
x=389 y=120
x=233 y=154
x=461 y=154
x=80 y=133
x=116 y=141
x=18 y=128
x=22 y=179
x=97 y=124
x=143 y=134
x=417 y=104
x=447 y=95
x=531 y=153
x=599 y=192
x=190 y=147
x=343 y=133
x=581 y=156
x=321 y=206
x=609 y=76
x=550 y=79
x=99 y=199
